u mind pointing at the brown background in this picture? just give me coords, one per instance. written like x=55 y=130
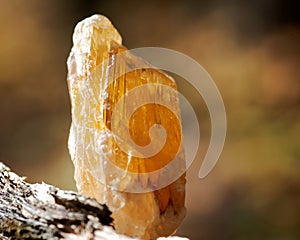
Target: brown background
x=250 y=48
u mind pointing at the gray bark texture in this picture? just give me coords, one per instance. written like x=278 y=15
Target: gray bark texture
x=42 y=211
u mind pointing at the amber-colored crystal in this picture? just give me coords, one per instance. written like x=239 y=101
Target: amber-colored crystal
x=98 y=79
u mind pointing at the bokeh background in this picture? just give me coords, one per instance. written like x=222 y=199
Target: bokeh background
x=250 y=48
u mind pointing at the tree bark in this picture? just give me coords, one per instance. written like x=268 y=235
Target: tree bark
x=41 y=211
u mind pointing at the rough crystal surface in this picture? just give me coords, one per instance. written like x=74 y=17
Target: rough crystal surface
x=97 y=80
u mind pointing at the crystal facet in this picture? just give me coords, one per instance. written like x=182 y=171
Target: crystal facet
x=103 y=78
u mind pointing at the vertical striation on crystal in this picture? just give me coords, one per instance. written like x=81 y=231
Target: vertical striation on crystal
x=106 y=166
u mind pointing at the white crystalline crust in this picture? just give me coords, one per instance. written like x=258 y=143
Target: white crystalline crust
x=80 y=61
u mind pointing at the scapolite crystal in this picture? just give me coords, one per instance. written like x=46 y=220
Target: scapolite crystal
x=123 y=109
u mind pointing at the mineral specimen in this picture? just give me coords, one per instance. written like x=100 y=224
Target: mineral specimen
x=123 y=109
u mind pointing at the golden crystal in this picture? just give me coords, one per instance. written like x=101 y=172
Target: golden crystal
x=99 y=79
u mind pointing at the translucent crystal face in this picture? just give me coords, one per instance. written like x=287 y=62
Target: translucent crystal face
x=126 y=132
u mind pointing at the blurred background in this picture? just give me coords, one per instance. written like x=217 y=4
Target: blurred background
x=250 y=48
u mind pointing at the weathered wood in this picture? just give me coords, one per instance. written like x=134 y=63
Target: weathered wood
x=41 y=211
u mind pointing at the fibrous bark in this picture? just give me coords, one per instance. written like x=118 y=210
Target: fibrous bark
x=42 y=211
